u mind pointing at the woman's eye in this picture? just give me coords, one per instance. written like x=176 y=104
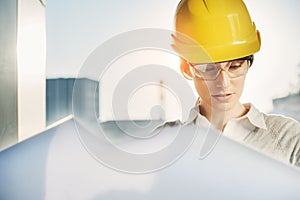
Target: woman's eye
x=205 y=68
x=210 y=68
x=234 y=67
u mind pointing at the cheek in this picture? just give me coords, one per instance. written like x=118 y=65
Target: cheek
x=202 y=88
x=239 y=85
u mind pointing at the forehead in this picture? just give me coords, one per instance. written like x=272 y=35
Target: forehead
x=226 y=62
x=219 y=64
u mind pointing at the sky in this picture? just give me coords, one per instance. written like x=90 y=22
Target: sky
x=76 y=27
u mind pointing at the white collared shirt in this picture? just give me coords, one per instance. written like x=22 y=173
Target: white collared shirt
x=236 y=129
x=273 y=135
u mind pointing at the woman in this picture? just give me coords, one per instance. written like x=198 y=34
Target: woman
x=216 y=40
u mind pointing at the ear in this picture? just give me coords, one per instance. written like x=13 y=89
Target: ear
x=185 y=69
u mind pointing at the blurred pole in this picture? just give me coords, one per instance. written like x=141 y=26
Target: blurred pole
x=8 y=73
x=22 y=67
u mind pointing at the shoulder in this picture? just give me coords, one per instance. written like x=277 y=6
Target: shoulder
x=283 y=129
x=280 y=138
x=282 y=124
x=286 y=132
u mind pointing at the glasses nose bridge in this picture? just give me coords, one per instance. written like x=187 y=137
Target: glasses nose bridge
x=221 y=68
x=222 y=79
x=222 y=65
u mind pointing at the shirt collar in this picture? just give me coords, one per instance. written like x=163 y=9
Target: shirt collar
x=254 y=116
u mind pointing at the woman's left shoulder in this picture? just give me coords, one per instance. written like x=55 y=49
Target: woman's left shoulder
x=286 y=132
x=282 y=123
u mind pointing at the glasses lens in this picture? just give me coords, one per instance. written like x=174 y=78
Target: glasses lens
x=206 y=71
x=210 y=71
x=237 y=68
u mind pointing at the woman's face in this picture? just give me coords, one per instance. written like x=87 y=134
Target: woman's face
x=223 y=93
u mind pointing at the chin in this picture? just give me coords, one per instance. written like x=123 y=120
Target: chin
x=223 y=106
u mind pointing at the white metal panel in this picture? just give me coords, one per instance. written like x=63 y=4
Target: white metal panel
x=56 y=165
x=31 y=49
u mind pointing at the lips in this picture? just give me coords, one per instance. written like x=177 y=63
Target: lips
x=222 y=97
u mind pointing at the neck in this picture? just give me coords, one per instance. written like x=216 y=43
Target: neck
x=219 y=117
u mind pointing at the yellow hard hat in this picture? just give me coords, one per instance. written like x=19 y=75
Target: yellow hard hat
x=221 y=30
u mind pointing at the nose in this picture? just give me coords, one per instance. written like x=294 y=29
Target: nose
x=223 y=79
